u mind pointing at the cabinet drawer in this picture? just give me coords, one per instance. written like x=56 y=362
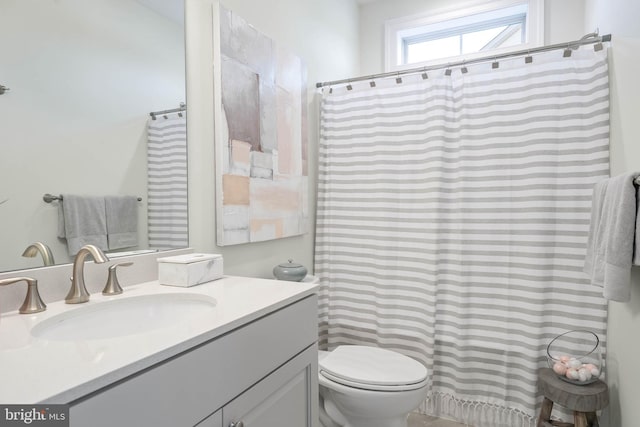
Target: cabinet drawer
x=187 y=388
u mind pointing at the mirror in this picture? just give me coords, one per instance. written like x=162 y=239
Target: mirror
x=83 y=77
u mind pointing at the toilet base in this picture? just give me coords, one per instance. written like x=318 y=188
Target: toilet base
x=331 y=416
x=325 y=418
x=379 y=423
x=326 y=421
x=366 y=423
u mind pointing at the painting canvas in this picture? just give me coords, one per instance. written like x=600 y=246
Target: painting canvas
x=260 y=94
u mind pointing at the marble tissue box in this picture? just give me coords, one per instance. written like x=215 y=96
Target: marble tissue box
x=189 y=270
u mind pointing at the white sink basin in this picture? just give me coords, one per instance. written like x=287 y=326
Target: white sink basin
x=121 y=317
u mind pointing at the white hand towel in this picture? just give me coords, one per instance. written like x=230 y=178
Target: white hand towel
x=636 y=244
x=84 y=222
x=122 y=221
x=611 y=236
x=593 y=262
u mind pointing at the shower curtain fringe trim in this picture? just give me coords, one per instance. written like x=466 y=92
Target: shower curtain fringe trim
x=476 y=413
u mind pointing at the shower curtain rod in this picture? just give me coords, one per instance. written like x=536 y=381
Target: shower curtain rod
x=183 y=107
x=588 y=39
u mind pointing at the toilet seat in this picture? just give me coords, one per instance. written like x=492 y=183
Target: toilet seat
x=372 y=368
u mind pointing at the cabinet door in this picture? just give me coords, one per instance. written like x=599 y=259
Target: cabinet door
x=213 y=420
x=286 y=398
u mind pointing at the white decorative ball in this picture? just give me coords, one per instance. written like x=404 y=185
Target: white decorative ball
x=574 y=363
x=584 y=374
x=572 y=374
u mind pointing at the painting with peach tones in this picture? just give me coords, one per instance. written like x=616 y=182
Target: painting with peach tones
x=260 y=116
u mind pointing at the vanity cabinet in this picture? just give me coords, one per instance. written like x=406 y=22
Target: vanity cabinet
x=260 y=374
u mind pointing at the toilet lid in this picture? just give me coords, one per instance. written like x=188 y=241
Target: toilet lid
x=372 y=368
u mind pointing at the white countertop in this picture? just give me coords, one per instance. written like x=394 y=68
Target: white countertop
x=36 y=370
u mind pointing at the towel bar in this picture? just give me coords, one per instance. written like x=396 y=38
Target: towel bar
x=48 y=198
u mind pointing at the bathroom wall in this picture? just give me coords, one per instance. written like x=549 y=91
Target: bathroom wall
x=620 y=19
x=563 y=22
x=325 y=35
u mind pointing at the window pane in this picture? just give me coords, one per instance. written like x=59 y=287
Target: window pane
x=432 y=49
x=506 y=35
x=475 y=42
x=480 y=31
x=515 y=39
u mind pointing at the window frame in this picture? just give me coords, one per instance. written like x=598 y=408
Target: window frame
x=397 y=30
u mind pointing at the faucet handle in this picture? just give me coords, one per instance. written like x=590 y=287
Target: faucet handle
x=32 y=302
x=113 y=287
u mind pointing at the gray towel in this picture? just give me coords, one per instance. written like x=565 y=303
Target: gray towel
x=122 y=221
x=83 y=222
x=611 y=236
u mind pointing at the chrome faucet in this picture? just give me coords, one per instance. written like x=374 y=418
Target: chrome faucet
x=78 y=292
x=39 y=247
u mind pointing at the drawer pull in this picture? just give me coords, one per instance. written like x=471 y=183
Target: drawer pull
x=236 y=424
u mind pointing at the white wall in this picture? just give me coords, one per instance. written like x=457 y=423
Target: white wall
x=564 y=22
x=83 y=78
x=620 y=19
x=325 y=35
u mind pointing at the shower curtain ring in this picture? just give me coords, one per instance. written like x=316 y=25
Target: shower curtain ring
x=528 y=59
x=567 y=52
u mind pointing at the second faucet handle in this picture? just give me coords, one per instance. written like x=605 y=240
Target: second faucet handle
x=113 y=286
x=32 y=302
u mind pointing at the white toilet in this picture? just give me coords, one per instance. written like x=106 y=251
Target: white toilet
x=369 y=387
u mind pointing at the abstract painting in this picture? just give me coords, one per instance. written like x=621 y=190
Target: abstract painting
x=260 y=93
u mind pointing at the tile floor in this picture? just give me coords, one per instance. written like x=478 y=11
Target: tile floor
x=417 y=420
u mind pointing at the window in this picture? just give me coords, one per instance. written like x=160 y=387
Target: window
x=471 y=32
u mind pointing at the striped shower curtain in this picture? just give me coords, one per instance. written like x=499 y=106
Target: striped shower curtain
x=167 y=183
x=452 y=222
